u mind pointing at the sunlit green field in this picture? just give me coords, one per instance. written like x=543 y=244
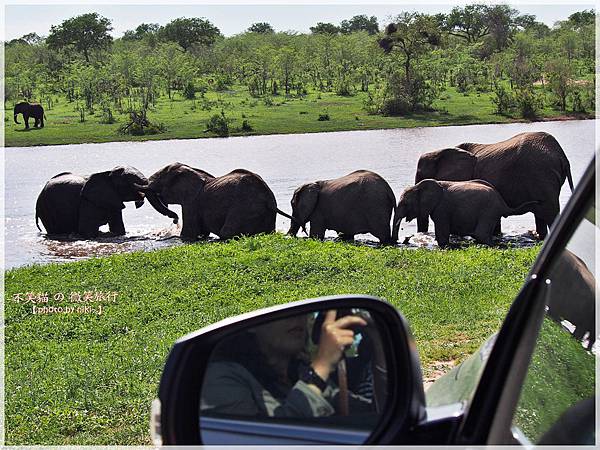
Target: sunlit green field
x=74 y=379
x=187 y=118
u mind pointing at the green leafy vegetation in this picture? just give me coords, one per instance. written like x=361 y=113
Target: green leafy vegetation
x=476 y=64
x=89 y=379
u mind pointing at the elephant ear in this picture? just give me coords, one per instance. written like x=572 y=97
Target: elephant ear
x=306 y=201
x=99 y=190
x=430 y=194
x=455 y=164
x=182 y=184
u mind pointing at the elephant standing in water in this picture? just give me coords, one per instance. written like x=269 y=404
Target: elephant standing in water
x=529 y=166
x=71 y=203
x=29 y=110
x=465 y=208
x=238 y=203
x=360 y=202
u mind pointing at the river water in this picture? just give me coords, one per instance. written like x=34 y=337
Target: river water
x=284 y=161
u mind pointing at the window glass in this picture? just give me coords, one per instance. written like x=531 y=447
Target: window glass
x=559 y=387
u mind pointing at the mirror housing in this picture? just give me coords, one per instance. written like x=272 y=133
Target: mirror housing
x=183 y=375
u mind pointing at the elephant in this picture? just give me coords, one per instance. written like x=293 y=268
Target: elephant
x=465 y=208
x=30 y=110
x=572 y=295
x=360 y=202
x=235 y=204
x=528 y=166
x=71 y=203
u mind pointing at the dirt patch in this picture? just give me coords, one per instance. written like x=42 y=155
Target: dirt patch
x=435 y=370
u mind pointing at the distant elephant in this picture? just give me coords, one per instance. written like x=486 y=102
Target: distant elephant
x=71 y=203
x=465 y=208
x=528 y=166
x=30 y=110
x=238 y=203
x=360 y=202
x=573 y=295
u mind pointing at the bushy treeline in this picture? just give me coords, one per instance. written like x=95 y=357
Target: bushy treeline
x=405 y=68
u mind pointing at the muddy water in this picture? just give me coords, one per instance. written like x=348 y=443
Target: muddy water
x=284 y=161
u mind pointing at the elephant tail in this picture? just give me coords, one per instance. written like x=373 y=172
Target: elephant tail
x=522 y=209
x=569 y=177
x=45 y=118
x=398 y=216
x=37 y=224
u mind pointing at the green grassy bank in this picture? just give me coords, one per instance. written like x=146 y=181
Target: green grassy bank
x=187 y=118
x=76 y=379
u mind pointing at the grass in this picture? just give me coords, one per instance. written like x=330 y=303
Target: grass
x=75 y=379
x=187 y=118
x=561 y=373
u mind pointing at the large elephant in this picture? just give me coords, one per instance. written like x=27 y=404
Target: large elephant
x=360 y=202
x=238 y=203
x=573 y=295
x=71 y=203
x=528 y=166
x=30 y=110
x=465 y=208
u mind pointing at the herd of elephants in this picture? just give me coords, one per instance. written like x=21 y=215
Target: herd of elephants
x=465 y=190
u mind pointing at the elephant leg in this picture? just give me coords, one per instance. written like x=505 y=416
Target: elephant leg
x=42 y=122
x=423 y=224
x=381 y=230
x=26 y=122
x=190 y=228
x=317 y=229
x=442 y=233
x=346 y=237
x=579 y=332
x=498 y=228
x=36 y=122
x=483 y=232
x=541 y=227
x=115 y=224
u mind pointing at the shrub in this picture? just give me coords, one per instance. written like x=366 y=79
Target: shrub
x=218 y=124
x=268 y=101
x=323 y=117
x=246 y=126
x=189 y=91
x=140 y=125
x=528 y=103
x=503 y=100
x=107 y=116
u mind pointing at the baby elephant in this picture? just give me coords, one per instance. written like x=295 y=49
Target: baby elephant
x=465 y=208
x=360 y=202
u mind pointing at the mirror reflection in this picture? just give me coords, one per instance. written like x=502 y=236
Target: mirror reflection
x=323 y=367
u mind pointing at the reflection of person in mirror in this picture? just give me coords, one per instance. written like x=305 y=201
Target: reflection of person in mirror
x=267 y=370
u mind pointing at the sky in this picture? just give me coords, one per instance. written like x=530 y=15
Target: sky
x=235 y=18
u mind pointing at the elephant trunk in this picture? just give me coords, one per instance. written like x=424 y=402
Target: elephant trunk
x=159 y=206
x=15 y=117
x=294 y=227
x=399 y=214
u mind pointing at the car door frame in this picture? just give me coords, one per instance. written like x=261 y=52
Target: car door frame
x=488 y=416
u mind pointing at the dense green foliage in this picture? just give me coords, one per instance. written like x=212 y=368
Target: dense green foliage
x=523 y=67
x=89 y=379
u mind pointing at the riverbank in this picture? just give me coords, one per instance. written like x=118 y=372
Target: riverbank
x=89 y=378
x=316 y=112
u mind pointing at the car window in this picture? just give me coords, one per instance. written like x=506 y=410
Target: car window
x=556 y=401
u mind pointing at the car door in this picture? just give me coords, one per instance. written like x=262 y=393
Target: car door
x=538 y=383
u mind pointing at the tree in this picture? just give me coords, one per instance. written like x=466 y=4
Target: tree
x=413 y=34
x=261 y=28
x=582 y=18
x=324 y=28
x=142 y=30
x=360 y=23
x=85 y=33
x=189 y=31
x=560 y=73
x=469 y=23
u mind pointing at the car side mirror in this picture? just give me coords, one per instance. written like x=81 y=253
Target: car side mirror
x=327 y=371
